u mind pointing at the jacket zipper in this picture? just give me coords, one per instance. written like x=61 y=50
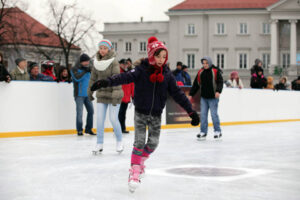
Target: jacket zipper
x=153 y=99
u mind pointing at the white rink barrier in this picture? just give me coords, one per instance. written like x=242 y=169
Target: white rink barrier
x=33 y=107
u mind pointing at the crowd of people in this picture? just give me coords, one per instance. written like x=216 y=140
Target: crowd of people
x=30 y=71
x=259 y=81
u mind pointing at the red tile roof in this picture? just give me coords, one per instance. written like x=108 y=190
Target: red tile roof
x=222 y=4
x=21 y=28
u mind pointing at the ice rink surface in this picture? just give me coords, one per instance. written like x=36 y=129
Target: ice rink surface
x=63 y=167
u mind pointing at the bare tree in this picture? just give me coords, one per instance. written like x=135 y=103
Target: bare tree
x=70 y=25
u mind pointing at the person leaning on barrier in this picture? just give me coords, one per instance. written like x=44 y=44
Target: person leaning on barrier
x=258 y=81
x=64 y=75
x=35 y=75
x=296 y=84
x=234 y=81
x=282 y=85
x=4 y=75
x=20 y=72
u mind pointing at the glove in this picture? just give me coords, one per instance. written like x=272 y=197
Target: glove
x=99 y=84
x=195 y=118
x=91 y=98
x=87 y=69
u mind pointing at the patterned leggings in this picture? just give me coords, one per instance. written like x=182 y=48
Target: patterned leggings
x=141 y=148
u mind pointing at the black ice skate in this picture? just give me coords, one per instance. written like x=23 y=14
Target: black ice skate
x=201 y=136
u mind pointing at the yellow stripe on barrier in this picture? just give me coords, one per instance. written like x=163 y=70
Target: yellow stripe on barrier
x=169 y=126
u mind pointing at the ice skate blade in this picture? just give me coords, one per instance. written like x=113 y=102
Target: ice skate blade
x=133 y=186
x=119 y=152
x=97 y=152
x=201 y=139
x=218 y=139
x=142 y=175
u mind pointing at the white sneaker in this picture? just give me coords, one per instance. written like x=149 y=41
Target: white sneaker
x=98 y=149
x=119 y=147
x=217 y=135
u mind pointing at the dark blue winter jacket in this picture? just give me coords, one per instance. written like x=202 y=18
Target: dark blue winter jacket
x=81 y=77
x=41 y=77
x=150 y=98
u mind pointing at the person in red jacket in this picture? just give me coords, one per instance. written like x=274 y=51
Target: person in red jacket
x=48 y=66
x=128 y=90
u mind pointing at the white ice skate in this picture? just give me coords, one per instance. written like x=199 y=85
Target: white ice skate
x=98 y=149
x=142 y=174
x=120 y=147
x=217 y=135
x=134 y=178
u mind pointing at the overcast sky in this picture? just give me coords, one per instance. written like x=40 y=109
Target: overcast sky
x=109 y=10
x=113 y=10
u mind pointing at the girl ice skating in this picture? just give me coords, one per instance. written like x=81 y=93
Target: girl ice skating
x=153 y=80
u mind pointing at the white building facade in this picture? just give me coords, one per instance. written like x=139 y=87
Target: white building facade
x=234 y=38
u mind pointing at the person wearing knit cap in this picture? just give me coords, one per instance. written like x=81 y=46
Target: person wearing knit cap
x=258 y=81
x=35 y=75
x=81 y=74
x=108 y=99
x=296 y=84
x=48 y=67
x=4 y=75
x=234 y=81
x=20 y=72
x=257 y=66
x=185 y=75
x=153 y=82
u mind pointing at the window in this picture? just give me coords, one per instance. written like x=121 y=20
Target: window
x=266 y=28
x=128 y=47
x=220 y=28
x=143 y=47
x=191 y=29
x=243 y=28
x=220 y=60
x=243 y=60
x=285 y=60
x=191 y=60
x=266 y=60
x=115 y=46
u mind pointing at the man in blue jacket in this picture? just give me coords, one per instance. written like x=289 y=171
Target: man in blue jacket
x=81 y=74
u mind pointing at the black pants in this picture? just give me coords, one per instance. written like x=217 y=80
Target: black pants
x=122 y=115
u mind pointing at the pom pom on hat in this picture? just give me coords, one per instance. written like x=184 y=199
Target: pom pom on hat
x=152 y=39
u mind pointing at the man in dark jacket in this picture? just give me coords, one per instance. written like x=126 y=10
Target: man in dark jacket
x=296 y=84
x=4 y=75
x=258 y=80
x=185 y=75
x=81 y=74
x=210 y=82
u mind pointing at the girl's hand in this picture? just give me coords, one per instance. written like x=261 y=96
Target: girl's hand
x=217 y=95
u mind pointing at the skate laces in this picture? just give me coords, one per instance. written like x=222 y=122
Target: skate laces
x=134 y=173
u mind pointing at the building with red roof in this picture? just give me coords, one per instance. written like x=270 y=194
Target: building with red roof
x=24 y=36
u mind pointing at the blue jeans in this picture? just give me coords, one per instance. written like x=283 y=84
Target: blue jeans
x=80 y=101
x=114 y=120
x=211 y=104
